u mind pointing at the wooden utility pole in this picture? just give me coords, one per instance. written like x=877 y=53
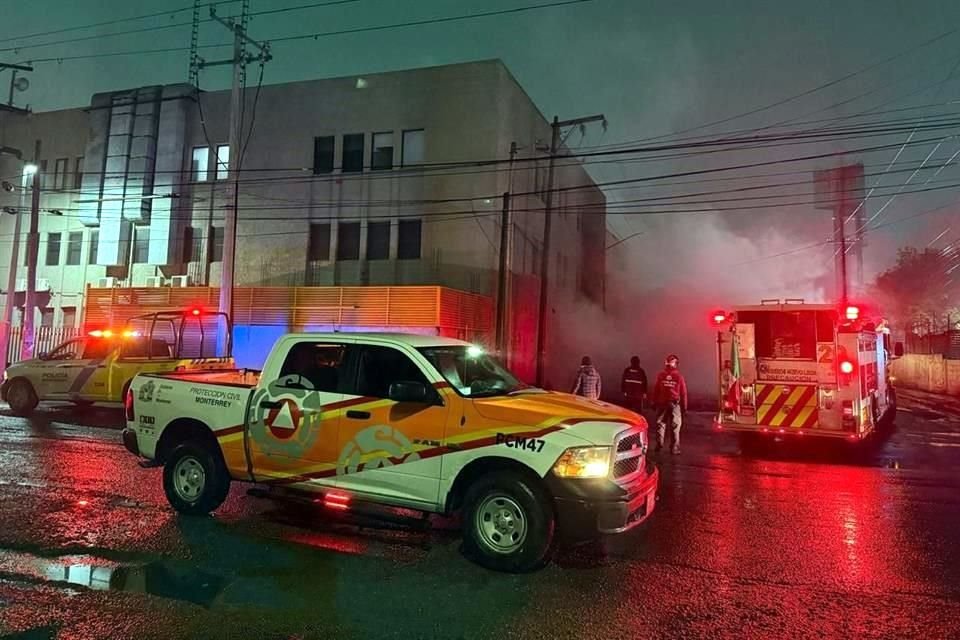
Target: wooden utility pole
x=556 y=126
x=505 y=268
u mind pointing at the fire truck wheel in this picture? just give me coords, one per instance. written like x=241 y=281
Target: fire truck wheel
x=21 y=397
x=508 y=523
x=195 y=479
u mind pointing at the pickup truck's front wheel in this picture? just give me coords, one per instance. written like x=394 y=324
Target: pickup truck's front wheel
x=508 y=523
x=21 y=397
x=195 y=479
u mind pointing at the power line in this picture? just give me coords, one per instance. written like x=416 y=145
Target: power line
x=429 y=21
x=168 y=12
x=101 y=36
x=317 y=36
x=806 y=92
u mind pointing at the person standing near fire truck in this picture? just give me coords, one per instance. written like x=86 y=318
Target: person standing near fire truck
x=670 y=401
x=588 y=380
x=633 y=385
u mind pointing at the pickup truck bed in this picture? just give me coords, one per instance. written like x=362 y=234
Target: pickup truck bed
x=234 y=377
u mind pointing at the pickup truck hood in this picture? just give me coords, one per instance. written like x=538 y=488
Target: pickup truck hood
x=534 y=408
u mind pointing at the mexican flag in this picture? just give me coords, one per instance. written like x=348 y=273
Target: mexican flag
x=732 y=397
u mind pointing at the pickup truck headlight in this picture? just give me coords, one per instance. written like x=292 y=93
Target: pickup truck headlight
x=583 y=462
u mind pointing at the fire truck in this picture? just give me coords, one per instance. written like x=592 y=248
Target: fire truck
x=792 y=369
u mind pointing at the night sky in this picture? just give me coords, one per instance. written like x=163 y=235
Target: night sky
x=654 y=68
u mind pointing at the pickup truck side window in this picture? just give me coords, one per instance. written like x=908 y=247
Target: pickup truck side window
x=67 y=351
x=382 y=366
x=97 y=348
x=319 y=365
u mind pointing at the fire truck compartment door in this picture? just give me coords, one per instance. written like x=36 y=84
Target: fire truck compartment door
x=786 y=406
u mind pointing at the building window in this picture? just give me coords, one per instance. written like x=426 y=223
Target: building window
x=381 y=156
x=323 y=154
x=74 y=247
x=78 y=173
x=408 y=239
x=216 y=244
x=352 y=153
x=413 y=148
x=69 y=317
x=223 y=161
x=348 y=241
x=44 y=184
x=318 y=247
x=46 y=318
x=60 y=174
x=94 y=246
x=141 y=245
x=53 y=249
x=198 y=164
x=378 y=240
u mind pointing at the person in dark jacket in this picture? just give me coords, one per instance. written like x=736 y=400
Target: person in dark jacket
x=588 y=380
x=633 y=385
x=670 y=401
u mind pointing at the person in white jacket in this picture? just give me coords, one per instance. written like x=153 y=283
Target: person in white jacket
x=588 y=382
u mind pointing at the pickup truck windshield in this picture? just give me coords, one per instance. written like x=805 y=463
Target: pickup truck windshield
x=472 y=374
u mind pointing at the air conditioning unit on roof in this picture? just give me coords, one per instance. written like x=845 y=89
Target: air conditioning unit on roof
x=180 y=281
x=108 y=282
x=155 y=281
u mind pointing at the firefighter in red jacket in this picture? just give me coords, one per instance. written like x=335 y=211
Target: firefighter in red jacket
x=670 y=401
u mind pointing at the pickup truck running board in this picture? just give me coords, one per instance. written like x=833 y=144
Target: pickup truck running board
x=149 y=464
x=340 y=503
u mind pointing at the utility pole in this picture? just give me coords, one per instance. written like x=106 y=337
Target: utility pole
x=9 y=303
x=505 y=267
x=240 y=60
x=16 y=84
x=33 y=248
x=556 y=126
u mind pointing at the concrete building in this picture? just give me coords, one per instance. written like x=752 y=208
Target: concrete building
x=387 y=179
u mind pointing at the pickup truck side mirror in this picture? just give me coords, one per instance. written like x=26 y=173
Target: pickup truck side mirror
x=898 y=350
x=409 y=392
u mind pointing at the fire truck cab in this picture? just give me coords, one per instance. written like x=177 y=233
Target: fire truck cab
x=795 y=369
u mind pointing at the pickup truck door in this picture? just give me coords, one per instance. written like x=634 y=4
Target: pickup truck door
x=381 y=440
x=76 y=368
x=293 y=416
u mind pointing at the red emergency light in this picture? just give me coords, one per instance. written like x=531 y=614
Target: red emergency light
x=852 y=313
x=195 y=311
x=336 y=501
x=101 y=333
x=719 y=317
x=846 y=367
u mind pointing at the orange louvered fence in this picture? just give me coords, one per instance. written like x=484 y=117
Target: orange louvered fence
x=447 y=311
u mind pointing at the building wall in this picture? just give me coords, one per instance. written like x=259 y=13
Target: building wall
x=468 y=112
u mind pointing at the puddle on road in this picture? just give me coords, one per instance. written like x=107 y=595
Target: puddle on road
x=160 y=578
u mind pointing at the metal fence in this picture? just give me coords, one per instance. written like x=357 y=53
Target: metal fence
x=946 y=344
x=47 y=338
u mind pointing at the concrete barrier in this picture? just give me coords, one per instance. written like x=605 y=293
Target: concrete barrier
x=931 y=373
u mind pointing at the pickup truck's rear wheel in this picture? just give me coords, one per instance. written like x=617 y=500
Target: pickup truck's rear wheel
x=508 y=523
x=195 y=479
x=21 y=397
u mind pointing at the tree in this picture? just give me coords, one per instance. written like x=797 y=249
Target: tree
x=919 y=289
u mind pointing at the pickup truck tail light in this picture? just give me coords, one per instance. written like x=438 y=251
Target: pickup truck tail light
x=128 y=406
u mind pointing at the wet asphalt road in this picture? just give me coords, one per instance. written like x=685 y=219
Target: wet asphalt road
x=767 y=544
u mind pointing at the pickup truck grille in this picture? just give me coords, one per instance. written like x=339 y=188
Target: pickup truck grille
x=631 y=449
